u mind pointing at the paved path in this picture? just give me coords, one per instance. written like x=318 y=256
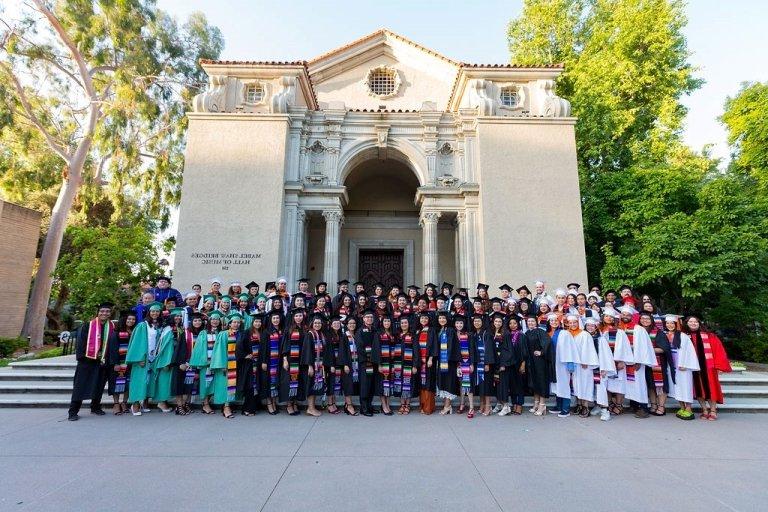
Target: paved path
x=163 y=462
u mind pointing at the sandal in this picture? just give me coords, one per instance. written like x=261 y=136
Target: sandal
x=335 y=409
x=407 y=409
x=659 y=411
x=353 y=412
x=117 y=410
x=461 y=409
x=712 y=415
x=616 y=409
x=180 y=411
x=136 y=412
x=471 y=414
x=228 y=416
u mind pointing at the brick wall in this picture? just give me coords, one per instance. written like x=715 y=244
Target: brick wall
x=19 y=232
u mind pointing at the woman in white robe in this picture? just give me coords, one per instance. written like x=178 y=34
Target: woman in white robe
x=565 y=364
x=683 y=362
x=607 y=368
x=619 y=345
x=643 y=355
x=584 y=377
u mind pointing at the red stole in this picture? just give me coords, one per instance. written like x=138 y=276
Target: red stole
x=98 y=337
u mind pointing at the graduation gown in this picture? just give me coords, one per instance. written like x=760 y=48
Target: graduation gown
x=271 y=340
x=118 y=379
x=349 y=356
x=607 y=365
x=502 y=358
x=683 y=363
x=249 y=374
x=92 y=374
x=293 y=382
x=202 y=351
x=139 y=352
x=659 y=374
x=712 y=359
x=316 y=353
x=224 y=367
x=485 y=355
x=367 y=343
x=584 y=376
x=384 y=376
x=565 y=355
x=407 y=362
x=622 y=352
x=184 y=382
x=539 y=369
x=163 y=369
x=446 y=359
x=518 y=355
x=642 y=354
x=335 y=368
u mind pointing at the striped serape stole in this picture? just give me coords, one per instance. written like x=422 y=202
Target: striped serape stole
x=231 y=367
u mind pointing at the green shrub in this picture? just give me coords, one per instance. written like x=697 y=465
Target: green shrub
x=748 y=348
x=10 y=345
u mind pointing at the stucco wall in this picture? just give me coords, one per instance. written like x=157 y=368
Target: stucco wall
x=19 y=233
x=232 y=199
x=530 y=202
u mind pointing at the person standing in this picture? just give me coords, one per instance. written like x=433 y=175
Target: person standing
x=224 y=364
x=349 y=358
x=270 y=360
x=96 y=351
x=383 y=377
x=426 y=339
x=367 y=347
x=712 y=360
x=201 y=358
x=293 y=378
x=249 y=359
x=540 y=365
x=118 y=376
x=142 y=350
x=315 y=356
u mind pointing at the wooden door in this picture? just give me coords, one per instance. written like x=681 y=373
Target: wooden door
x=381 y=266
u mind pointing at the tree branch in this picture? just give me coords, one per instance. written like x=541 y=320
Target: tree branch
x=99 y=69
x=55 y=146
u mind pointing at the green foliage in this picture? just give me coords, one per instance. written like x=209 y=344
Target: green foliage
x=106 y=264
x=10 y=345
x=656 y=214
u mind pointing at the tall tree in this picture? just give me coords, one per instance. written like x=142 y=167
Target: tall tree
x=105 y=85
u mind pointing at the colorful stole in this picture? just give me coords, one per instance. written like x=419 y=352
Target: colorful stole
x=122 y=349
x=709 y=356
x=231 y=366
x=319 y=344
x=423 y=338
x=656 y=370
x=274 y=363
x=443 y=351
x=255 y=348
x=208 y=372
x=353 y=356
x=496 y=345
x=337 y=367
x=98 y=339
x=480 y=365
x=293 y=364
x=397 y=367
x=543 y=322
x=465 y=364
x=190 y=374
x=432 y=305
x=596 y=371
x=368 y=363
x=343 y=312
x=385 y=365
x=630 y=367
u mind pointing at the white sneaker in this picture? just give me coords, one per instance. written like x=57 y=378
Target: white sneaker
x=505 y=410
x=605 y=415
x=496 y=409
x=596 y=410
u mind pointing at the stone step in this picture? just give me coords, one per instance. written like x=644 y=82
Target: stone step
x=10 y=374
x=53 y=363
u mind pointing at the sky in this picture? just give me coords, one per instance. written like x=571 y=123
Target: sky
x=726 y=39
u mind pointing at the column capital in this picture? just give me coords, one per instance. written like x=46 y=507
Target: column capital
x=333 y=216
x=429 y=217
x=301 y=215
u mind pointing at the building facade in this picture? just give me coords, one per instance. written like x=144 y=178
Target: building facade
x=380 y=161
x=19 y=234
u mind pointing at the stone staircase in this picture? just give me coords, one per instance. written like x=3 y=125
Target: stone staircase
x=48 y=383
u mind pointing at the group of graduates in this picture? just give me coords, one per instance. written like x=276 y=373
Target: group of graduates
x=279 y=349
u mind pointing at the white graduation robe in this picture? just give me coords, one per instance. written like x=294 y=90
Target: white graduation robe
x=684 y=357
x=622 y=352
x=607 y=365
x=642 y=354
x=565 y=352
x=583 y=379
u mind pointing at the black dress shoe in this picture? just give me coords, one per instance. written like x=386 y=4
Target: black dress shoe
x=390 y=413
x=367 y=413
x=98 y=412
x=375 y=411
x=73 y=417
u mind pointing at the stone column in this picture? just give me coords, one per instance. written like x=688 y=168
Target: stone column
x=428 y=223
x=333 y=221
x=297 y=253
x=461 y=249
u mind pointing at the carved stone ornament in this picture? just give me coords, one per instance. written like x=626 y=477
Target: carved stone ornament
x=552 y=105
x=447 y=180
x=214 y=99
x=429 y=218
x=445 y=149
x=480 y=97
x=315 y=179
x=286 y=96
x=374 y=87
x=317 y=147
x=333 y=216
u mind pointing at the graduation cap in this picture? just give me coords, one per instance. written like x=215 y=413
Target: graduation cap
x=302 y=280
x=560 y=293
x=441 y=296
x=299 y=294
x=395 y=286
x=270 y=285
x=496 y=315
x=195 y=314
x=403 y=295
x=234 y=316
x=629 y=310
x=252 y=284
x=381 y=298
x=342 y=282
x=430 y=285
x=190 y=295
x=505 y=287
x=321 y=283
x=591 y=320
x=424 y=313
x=243 y=296
x=298 y=310
x=257 y=315
x=317 y=315
x=216 y=280
x=496 y=300
x=360 y=283
x=525 y=300
x=105 y=305
x=463 y=291
x=523 y=288
x=457 y=296
x=177 y=311
x=369 y=311
x=482 y=286
x=625 y=287
x=573 y=285
x=444 y=313
x=610 y=312
x=235 y=283
x=459 y=318
x=334 y=318
x=413 y=287
x=156 y=306
x=610 y=291
x=481 y=316
x=216 y=314
x=225 y=298
x=379 y=284
x=446 y=285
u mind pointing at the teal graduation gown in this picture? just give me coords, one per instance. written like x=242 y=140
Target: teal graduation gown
x=162 y=367
x=224 y=367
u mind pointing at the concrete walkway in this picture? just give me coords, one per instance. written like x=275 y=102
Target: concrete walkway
x=395 y=463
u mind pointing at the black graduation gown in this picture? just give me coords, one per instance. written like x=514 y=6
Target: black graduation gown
x=518 y=355
x=285 y=376
x=249 y=373
x=661 y=341
x=334 y=379
x=483 y=380
x=118 y=359
x=502 y=358
x=318 y=383
x=350 y=384
x=401 y=385
x=539 y=369
x=270 y=389
x=447 y=380
x=367 y=349
x=181 y=354
x=90 y=374
x=383 y=384
x=426 y=376
x=470 y=360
